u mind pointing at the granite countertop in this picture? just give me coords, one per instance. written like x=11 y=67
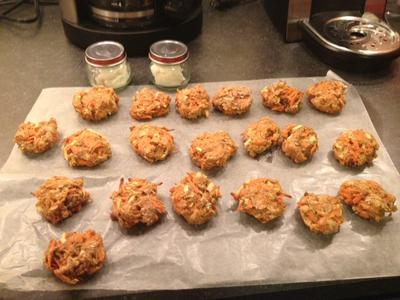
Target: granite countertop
x=232 y=46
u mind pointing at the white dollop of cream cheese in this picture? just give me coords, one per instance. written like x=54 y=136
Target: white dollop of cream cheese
x=167 y=75
x=113 y=77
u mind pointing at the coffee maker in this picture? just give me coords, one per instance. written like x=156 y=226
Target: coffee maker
x=345 y=34
x=134 y=23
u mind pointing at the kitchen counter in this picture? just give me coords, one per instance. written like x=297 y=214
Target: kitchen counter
x=233 y=46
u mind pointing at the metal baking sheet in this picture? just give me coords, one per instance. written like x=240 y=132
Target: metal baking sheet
x=231 y=250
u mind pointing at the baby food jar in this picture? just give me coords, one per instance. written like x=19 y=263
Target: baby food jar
x=169 y=64
x=107 y=65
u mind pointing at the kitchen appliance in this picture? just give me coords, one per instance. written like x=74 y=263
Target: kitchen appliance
x=345 y=34
x=136 y=24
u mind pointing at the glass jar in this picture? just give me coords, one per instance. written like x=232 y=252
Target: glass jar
x=169 y=66
x=106 y=65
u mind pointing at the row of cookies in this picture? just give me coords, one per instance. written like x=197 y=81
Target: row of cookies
x=326 y=96
x=98 y=103
x=195 y=198
x=88 y=148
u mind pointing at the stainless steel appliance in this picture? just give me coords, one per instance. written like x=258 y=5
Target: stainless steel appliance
x=346 y=34
x=134 y=23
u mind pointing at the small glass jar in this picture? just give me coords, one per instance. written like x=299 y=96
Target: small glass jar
x=169 y=66
x=106 y=65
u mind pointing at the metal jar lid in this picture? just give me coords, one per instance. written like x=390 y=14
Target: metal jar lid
x=168 y=52
x=105 y=53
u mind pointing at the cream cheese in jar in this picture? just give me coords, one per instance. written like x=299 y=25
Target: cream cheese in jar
x=107 y=65
x=169 y=64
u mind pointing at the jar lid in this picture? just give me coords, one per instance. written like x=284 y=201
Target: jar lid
x=168 y=52
x=105 y=53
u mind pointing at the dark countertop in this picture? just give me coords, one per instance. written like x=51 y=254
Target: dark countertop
x=233 y=46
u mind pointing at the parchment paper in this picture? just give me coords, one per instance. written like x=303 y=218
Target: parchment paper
x=232 y=249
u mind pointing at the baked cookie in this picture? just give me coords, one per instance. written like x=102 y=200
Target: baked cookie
x=261 y=136
x=75 y=256
x=148 y=104
x=280 y=97
x=86 y=148
x=195 y=198
x=37 y=137
x=327 y=96
x=193 y=103
x=299 y=143
x=321 y=213
x=153 y=143
x=210 y=150
x=233 y=100
x=96 y=103
x=368 y=199
x=261 y=198
x=355 y=148
x=136 y=202
x=60 y=197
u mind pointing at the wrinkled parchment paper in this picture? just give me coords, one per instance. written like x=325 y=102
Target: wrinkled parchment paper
x=232 y=249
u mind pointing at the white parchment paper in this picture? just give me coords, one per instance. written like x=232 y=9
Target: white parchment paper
x=232 y=249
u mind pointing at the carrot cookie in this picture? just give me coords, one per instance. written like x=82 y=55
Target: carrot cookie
x=321 y=213
x=75 y=256
x=193 y=103
x=261 y=136
x=60 y=197
x=136 y=202
x=368 y=199
x=86 y=148
x=37 y=137
x=233 y=100
x=355 y=148
x=327 y=96
x=280 y=97
x=195 y=198
x=153 y=143
x=148 y=104
x=96 y=103
x=299 y=143
x=210 y=150
x=261 y=198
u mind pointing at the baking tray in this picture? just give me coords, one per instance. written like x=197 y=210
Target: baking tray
x=233 y=249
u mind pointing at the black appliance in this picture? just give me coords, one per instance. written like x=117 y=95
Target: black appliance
x=345 y=34
x=134 y=23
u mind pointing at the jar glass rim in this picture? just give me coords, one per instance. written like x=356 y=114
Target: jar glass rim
x=175 y=62
x=122 y=60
